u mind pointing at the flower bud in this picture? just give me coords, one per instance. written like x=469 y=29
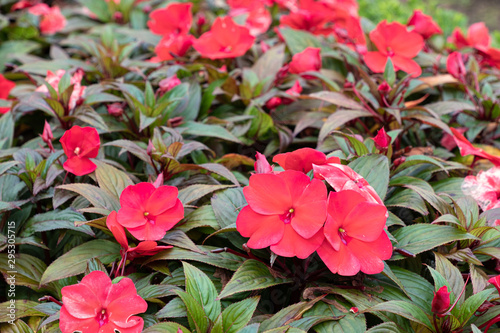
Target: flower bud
x=261 y=164
x=169 y=83
x=150 y=148
x=496 y=282
x=175 y=122
x=115 y=109
x=441 y=302
x=384 y=88
x=274 y=102
x=382 y=140
x=47 y=136
x=456 y=66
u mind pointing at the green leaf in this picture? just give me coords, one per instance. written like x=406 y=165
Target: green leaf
x=270 y=63
x=206 y=130
x=174 y=309
x=95 y=195
x=23 y=308
x=389 y=72
x=197 y=318
x=226 y=206
x=223 y=260
x=338 y=99
x=132 y=148
x=189 y=105
x=237 y=315
x=202 y=217
x=359 y=147
x=74 y=261
x=220 y=170
x=252 y=275
x=297 y=40
x=422 y=237
x=166 y=327
x=111 y=179
x=442 y=108
x=194 y=192
x=29 y=269
x=307 y=323
x=374 y=168
x=407 y=199
x=284 y=316
x=5 y=166
x=203 y=290
x=452 y=275
x=404 y=309
x=56 y=219
x=471 y=304
x=88 y=115
x=384 y=328
x=337 y=119
x=6 y=130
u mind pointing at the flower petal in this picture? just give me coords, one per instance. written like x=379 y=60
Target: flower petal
x=80 y=301
x=342 y=261
x=70 y=324
x=268 y=194
x=117 y=230
x=293 y=245
x=407 y=65
x=79 y=166
x=162 y=199
x=370 y=255
x=366 y=221
x=270 y=232
x=375 y=61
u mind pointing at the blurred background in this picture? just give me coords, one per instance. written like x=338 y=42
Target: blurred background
x=448 y=13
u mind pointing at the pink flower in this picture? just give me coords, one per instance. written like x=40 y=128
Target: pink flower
x=394 y=42
x=97 y=305
x=225 y=39
x=149 y=212
x=341 y=177
x=308 y=60
x=424 y=24
x=257 y=17
x=484 y=188
x=47 y=136
x=76 y=79
x=285 y=211
x=80 y=144
x=355 y=239
x=52 y=19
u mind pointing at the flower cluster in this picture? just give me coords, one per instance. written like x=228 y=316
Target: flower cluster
x=295 y=216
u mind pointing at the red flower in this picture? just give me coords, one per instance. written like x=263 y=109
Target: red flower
x=348 y=30
x=174 y=19
x=424 y=24
x=261 y=164
x=448 y=140
x=146 y=248
x=295 y=90
x=455 y=65
x=341 y=177
x=441 y=301
x=354 y=235
x=466 y=148
x=22 y=4
x=5 y=87
x=303 y=159
x=285 y=211
x=148 y=212
x=382 y=140
x=308 y=60
x=173 y=44
x=274 y=102
x=225 y=39
x=80 y=144
x=95 y=305
x=496 y=282
x=395 y=42
x=169 y=83
x=52 y=19
x=478 y=37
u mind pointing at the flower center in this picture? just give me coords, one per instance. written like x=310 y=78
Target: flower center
x=77 y=150
x=227 y=49
x=102 y=317
x=150 y=218
x=390 y=52
x=344 y=237
x=287 y=216
x=146 y=214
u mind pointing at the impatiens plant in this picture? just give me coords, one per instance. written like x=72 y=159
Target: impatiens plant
x=247 y=167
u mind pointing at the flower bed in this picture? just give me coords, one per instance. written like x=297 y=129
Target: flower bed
x=249 y=166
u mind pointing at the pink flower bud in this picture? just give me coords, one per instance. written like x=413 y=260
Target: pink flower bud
x=384 y=88
x=201 y=20
x=115 y=109
x=382 y=140
x=118 y=17
x=441 y=301
x=47 y=133
x=496 y=282
x=264 y=47
x=261 y=164
x=175 y=122
x=150 y=148
x=169 y=83
x=354 y=309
